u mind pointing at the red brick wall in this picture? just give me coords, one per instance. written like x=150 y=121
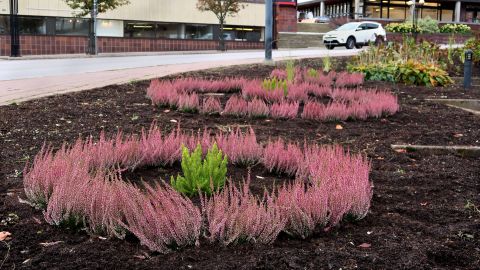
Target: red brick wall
x=434 y=38
x=42 y=45
x=285 y=18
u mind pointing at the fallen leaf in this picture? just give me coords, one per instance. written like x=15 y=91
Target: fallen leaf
x=458 y=135
x=141 y=257
x=26 y=261
x=173 y=121
x=166 y=111
x=338 y=127
x=424 y=204
x=365 y=245
x=49 y=244
x=380 y=158
x=401 y=150
x=260 y=177
x=5 y=236
x=102 y=238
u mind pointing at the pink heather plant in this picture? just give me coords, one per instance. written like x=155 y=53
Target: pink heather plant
x=161 y=218
x=254 y=89
x=284 y=110
x=336 y=111
x=162 y=93
x=190 y=85
x=318 y=90
x=345 y=79
x=298 y=92
x=321 y=79
x=188 y=102
x=236 y=106
x=211 y=105
x=282 y=158
x=234 y=215
x=257 y=108
x=240 y=148
x=159 y=149
x=279 y=74
x=304 y=207
x=344 y=178
x=313 y=110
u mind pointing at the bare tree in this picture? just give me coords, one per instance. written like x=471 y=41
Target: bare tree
x=85 y=7
x=221 y=9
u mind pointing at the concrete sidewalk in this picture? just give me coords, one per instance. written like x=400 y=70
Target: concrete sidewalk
x=31 y=79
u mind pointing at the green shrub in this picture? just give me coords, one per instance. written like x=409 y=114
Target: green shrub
x=274 y=84
x=399 y=27
x=455 y=28
x=410 y=72
x=474 y=45
x=428 y=26
x=206 y=176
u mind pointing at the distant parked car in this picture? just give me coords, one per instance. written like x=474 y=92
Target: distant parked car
x=355 y=35
x=322 y=19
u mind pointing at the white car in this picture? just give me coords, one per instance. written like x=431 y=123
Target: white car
x=355 y=35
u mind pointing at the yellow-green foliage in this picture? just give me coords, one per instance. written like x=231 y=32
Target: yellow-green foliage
x=313 y=73
x=327 y=64
x=275 y=84
x=290 y=68
x=205 y=176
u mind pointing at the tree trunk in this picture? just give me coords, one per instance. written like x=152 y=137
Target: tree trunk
x=222 y=38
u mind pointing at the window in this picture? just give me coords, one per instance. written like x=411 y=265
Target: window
x=447 y=15
x=109 y=28
x=398 y=13
x=242 y=33
x=372 y=12
x=32 y=26
x=169 y=30
x=140 y=29
x=372 y=25
x=428 y=12
x=4 y=25
x=72 y=26
x=195 y=31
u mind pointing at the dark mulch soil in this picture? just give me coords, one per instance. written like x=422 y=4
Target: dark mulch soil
x=417 y=220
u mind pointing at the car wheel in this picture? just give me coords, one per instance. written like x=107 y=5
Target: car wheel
x=350 y=43
x=330 y=47
x=358 y=46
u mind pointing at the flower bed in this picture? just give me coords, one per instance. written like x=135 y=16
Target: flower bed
x=335 y=96
x=81 y=186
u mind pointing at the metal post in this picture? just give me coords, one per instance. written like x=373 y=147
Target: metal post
x=467 y=70
x=268 y=30
x=95 y=13
x=14 y=31
x=92 y=43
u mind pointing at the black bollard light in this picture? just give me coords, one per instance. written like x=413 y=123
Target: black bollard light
x=467 y=70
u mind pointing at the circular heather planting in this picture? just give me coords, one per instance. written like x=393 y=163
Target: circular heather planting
x=82 y=185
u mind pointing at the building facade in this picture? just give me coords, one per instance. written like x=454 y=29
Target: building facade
x=51 y=27
x=395 y=10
